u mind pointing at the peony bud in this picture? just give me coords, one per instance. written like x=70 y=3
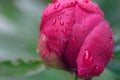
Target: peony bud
x=74 y=36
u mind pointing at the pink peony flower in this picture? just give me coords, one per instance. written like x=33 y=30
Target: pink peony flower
x=74 y=36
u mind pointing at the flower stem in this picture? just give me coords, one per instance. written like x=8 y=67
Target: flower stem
x=87 y=79
x=76 y=78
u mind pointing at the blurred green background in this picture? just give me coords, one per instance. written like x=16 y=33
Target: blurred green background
x=19 y=30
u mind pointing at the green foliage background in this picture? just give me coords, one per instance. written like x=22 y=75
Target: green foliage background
x=19 y=30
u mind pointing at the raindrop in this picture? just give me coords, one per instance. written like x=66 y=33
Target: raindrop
x=53 y=21
x=86 y=1
x=97 y=70
x=61 y=23
x=98 y=35
x=83 y=30
x=54 y=1
x=63 y=12
x=73 y=40
x=64 y=31
x=113 y=33
x=81 y=68
x=72 y=3
x=74 y=69
x=87 y=58
x=85 y=68
x=111 y=38
x=107 y=25
x=96 y=9
x=56 y=5
x=86 y=75
x=67 y=14
x=59 y=17
x=99 y=53
x=83 y=14
x=58 y=44
x=55 y=31
x=112 y=56
x=46 y=53
x=84 y=19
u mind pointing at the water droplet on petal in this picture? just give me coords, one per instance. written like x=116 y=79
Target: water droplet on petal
x=72 y=3
x=54 y=1
x=81 y=68
x=111 y=38
x=86 y=75
x=83 y=14
x=85 y=68
x=112 y=56
x=64 y=31
x=84 y=19
x=97 y=70
x=55 y=31
x=61 y=23
x=86 y=1
x=73 y=40
x=46 y=53
x=113 y=33
x=99 y=53
x=107 y=25
x=53 y=21
x=56 y=5
x=67 y=14
x=74 y=69
x=87 y=58
x=58 y=44
x=83 y=30
x=59 y=17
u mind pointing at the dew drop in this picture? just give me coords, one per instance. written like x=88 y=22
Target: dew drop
x=81 y=68
x=85 y=68
x=75 y=69
x=45 y=14
x=83 y=30
x=96 y=9
x=56 y=5
x=113 y=33
x=97 y=70
x=98 y=35
x=46 y=53
x=61 y=23
x=112 y=56
x=72 y=3
x=63 y=12
x=73 y=40
x=55 y=31
x=86 y=75
x=54 y=1
x=83 y=14
x=84 y=19
x=64 y=31
x=59 y=17
x=58 y=44
x=53 y=21
x=87 y=58
x=99 y=53
x=86 y=1
x=71 y=49
x=67 y=14
x=111 y=38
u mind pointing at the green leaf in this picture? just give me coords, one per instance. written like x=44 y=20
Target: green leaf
x=21 y=68
x=106 y=75
x=19 y=29
x=111 y=11
x=114 y=65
